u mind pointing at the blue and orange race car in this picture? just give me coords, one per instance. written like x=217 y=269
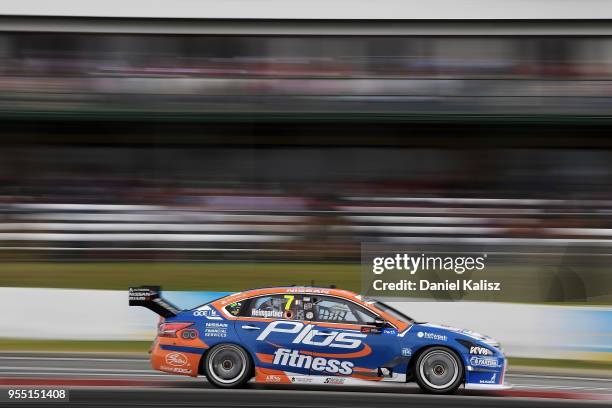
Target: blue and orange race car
x=311 y=335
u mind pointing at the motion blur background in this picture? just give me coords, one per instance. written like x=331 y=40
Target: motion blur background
x=220 y=161
x=268 y=148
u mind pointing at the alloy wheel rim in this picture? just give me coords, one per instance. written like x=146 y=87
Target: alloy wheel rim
x=227 y=364
x=439 y=369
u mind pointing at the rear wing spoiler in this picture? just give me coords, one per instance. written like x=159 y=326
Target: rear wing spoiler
x=150 y=297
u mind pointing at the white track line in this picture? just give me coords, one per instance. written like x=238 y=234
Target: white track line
x=101 y=370
x=557 y=377
x=74 y=358
x=145 y=360
x=560 y=387
x=96 y=374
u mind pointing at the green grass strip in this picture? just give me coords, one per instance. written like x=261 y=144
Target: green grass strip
x=225 y=277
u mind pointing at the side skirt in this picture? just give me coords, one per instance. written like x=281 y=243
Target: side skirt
x=269 y=376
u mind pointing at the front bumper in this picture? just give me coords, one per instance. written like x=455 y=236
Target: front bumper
x=487 y=379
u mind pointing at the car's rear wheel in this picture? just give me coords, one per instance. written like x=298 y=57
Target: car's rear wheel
x=228 y=366
x=439 y=370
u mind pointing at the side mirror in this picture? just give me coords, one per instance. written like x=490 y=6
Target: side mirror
x=380 y=323
x=374 y=327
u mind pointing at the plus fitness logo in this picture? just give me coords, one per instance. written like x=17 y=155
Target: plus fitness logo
x=293 y=358
x=307 y=334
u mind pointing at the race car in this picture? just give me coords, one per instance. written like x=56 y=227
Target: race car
x=309 y=335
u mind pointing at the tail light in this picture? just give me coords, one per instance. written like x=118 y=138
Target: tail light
x=170 y=329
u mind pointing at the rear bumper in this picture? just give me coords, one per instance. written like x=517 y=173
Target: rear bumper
x=164 y=358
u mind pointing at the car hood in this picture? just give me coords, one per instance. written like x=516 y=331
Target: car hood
x=474 y=335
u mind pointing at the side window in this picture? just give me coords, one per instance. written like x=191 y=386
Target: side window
x=286 y=306
x=365 y=315
x=335 y=310
x=234 y=308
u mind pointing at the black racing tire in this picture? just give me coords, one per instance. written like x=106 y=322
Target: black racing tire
x=228 y=366
x=439 y=370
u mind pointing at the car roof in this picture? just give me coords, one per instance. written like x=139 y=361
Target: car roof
x=305 y=290
x=299 y=290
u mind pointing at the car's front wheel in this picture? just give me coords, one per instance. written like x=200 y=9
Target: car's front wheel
x=228 y=366
x=439 y=370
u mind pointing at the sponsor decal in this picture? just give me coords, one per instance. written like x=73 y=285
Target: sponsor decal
x=491 y=381
x=389 y=331
x=481 y=351
x=214 y=329
x=307 y=290
x=215 y=324
x=177 y=370
x=301 y=380
x=432 y=336
x=334 y=381
x=309 y=315
x=307 y=334
x=406 y=352
x=273 y=378
x=484 y=362
x=369 y=329
x=266 y=313
x=293 y=358
x=176 y=359
x=207 y=312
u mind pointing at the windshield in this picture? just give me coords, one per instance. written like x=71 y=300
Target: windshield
x=393 y=312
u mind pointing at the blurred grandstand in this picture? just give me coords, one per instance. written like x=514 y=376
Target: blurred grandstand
x=151 y=147
x=119 y=74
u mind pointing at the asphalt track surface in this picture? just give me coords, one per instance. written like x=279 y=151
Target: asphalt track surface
x=120 y=381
